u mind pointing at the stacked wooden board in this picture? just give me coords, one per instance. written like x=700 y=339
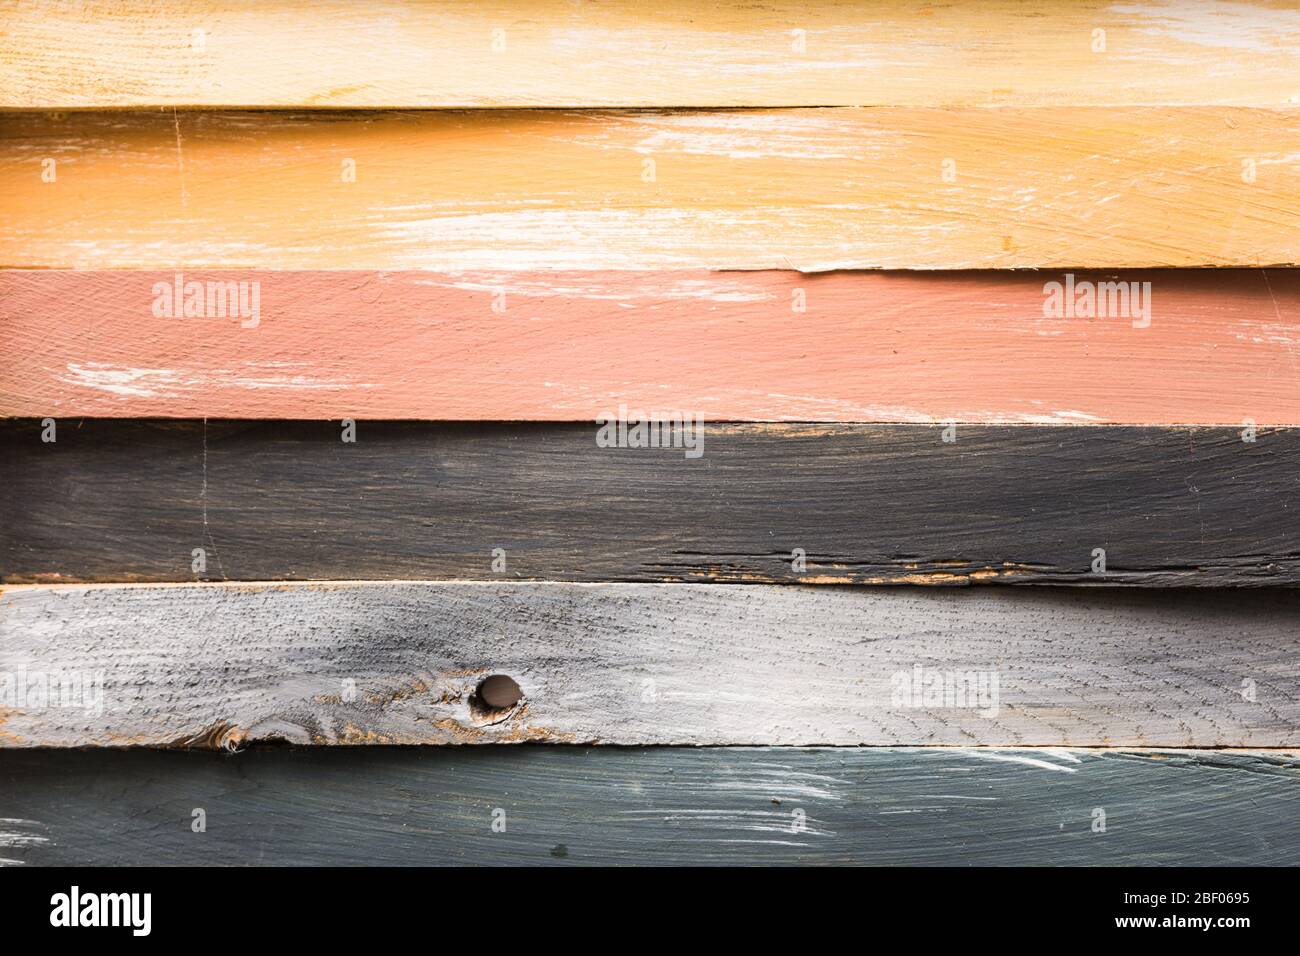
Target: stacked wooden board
x=525 y=372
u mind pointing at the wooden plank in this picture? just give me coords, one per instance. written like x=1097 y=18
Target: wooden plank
x=224 y=666
x=868 y=346
x=384 y=53
x=114 y=500
x=715 y=806
x=811 y=190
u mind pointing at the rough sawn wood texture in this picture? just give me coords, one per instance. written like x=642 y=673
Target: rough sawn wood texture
x=131 y=501
x=810 y=190
x=711 y=806
x=565 y=346
x=386 y=53
x=228 y=665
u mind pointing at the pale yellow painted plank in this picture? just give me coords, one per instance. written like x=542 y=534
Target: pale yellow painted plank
x=490 y=53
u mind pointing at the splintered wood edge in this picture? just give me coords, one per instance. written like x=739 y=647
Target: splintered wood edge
x=228 y=666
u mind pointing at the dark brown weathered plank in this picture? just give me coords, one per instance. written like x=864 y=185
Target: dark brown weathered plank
x=421 y=806
x=225 y=665
x=131 y=501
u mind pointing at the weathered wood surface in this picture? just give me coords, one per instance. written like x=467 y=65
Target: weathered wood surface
x=224 y=666
x=1194 y=347
x=811 y=190
x=384 y=53
x=114 y=500
x=659 y=805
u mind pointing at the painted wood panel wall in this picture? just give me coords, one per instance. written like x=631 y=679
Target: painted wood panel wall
x=130 y=500
x=710 y=806
x=228 y=666
x=383 y=53
x=828 y=230
x=809 y=190
x=1172 y=347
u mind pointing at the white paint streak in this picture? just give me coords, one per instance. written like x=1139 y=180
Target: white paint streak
x=173 y=383
x=13 y=838
x=119 y=380
x=1215 y=23
x=752 y=136
x=708 y=290
x=1018 y=758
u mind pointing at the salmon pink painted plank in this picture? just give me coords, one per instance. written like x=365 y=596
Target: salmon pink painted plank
x=1191 y=347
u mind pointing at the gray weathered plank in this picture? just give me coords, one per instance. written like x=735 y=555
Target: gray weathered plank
x=213 y=665
x=115 y=500
x=569 y=805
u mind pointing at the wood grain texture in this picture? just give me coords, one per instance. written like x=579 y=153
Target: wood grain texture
x=626 y=53
x=1215 y=347
x=811 y=190
x=115 y=500
x=224 y=666
x=714 y=806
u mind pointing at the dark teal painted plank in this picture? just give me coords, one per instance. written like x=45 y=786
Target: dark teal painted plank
x=649 y=806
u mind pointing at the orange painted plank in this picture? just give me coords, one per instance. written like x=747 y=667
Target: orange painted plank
x=1195 y=347
x=805 y=189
